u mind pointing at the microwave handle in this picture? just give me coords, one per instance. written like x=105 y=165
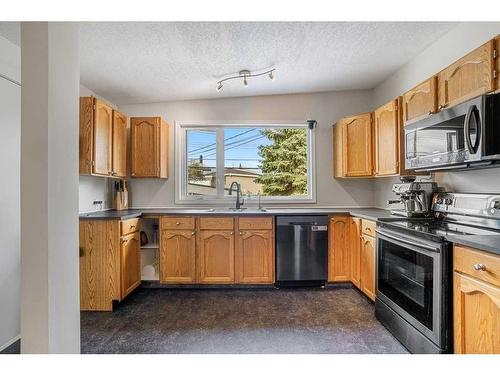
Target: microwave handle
x=470 y=112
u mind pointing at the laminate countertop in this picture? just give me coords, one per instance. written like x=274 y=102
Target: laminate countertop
x=488 y=243
x=365 y=213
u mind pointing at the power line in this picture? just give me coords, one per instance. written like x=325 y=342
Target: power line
x=225 y=139
x=233 y=145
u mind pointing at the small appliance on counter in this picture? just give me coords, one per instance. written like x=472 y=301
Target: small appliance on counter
x=414 y=268
x=121 y=195
x=415 y=196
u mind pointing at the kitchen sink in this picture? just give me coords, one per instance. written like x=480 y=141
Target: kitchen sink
x=231 y=209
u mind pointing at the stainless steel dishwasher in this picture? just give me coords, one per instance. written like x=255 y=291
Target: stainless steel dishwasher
x=301 y=250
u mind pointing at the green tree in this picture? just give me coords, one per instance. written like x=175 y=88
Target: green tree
x=284 y=162
x=195 y=171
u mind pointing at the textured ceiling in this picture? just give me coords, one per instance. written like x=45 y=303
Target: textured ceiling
x=136 y=62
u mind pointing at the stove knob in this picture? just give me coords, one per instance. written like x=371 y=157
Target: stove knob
x=448 y=201
x=439 y=201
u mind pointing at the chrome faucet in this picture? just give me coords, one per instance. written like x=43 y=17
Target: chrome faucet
x=239 y=201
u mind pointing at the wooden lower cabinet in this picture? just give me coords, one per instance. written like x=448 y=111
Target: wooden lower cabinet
x=217 y=250
x=355 y=250
x=109 y=263
x=476 y=316
x=476 y=300
x=130 y=263
x=178 y=256
x=255 y=257
x=367 y=261
x=216 y=257
x=338 y=252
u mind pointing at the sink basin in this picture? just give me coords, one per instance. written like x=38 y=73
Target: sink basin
x=231 y=209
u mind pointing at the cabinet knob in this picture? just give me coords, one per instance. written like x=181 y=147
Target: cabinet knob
x=193 y=233
x=442 y=106
x=429 y=113
x=177 y=223
x=231 y=233
x=479 y=267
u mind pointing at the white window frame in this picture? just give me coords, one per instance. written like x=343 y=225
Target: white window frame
x=181 y=196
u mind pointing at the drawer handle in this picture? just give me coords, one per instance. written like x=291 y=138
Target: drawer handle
x=479 y=267
x=368 y=229
x=132 y=226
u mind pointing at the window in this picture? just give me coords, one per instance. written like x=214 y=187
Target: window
x=275 y=161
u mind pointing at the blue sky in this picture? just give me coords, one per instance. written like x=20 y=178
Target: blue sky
x=241 y=146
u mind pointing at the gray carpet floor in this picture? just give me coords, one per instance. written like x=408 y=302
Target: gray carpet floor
x=328 y=320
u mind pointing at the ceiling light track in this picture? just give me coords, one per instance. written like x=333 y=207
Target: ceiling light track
x=244 y=75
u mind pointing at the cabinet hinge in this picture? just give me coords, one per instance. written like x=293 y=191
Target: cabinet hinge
x=495 y=74
x=93 y=163
x=94 y=106
x=495 y=54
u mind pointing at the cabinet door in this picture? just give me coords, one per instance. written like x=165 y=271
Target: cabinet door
x=130 y=263
x=354 y=249
x=338 y=252
x=119 y=144
x=421 y=101
x=178 y=257
x=357 y=146
x=386 y=120
x=476 y=316
x=145 y=138
x=216 y=257
x=103 y=124
x=471 y=76
x=255 y=257
x=338 y=151
x=367 y=281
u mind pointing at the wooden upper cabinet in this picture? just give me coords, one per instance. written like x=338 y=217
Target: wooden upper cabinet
x=354 y=249
x=421 y=101
x=103 y=139
x=130 y=263
x=367 y=261
x=255 y=257
x=357 y=145
x=387 y=139
x=497 y=48
x=149 y=147
x=178 y=256
x=216 y=257
x=471 y=76
x=338 y=170
x=119 y=164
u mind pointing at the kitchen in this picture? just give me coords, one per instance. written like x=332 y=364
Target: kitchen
x=265 y=207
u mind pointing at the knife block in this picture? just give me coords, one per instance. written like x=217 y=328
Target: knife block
x=121 y=200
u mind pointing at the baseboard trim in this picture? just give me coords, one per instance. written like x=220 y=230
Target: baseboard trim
x=9 y=343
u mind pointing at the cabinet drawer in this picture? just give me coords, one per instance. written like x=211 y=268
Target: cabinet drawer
x=368 y=227
x=129 y=226
x=177 y=222
x=466 y=260
x=255 y=223
x=217 y=223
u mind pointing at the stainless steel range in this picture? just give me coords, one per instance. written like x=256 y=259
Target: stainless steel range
x=414 y=268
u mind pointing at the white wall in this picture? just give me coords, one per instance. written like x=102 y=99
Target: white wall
x=325 y=108
x=453 y=45
x=10 y=123
x=91 y=188
x=50 y=302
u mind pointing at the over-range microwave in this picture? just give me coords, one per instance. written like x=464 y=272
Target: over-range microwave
x=464 y=136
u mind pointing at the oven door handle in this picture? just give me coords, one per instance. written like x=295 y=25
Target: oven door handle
x=412 y=242
x=472 y=112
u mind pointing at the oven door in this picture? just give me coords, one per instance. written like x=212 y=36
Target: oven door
x=450 y=138
x=409 y=280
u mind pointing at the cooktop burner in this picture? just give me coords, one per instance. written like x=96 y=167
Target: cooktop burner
x=438 y=228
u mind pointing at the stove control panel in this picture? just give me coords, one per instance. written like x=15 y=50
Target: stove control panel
x=481 y=205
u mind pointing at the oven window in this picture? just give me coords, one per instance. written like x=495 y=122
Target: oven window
x=405 y=277
x=439 y=139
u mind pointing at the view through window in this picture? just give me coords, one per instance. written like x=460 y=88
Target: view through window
x=271 y=161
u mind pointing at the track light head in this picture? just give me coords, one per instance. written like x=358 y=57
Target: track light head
x=271 y=75
x=219 y=86
x=245 y=82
